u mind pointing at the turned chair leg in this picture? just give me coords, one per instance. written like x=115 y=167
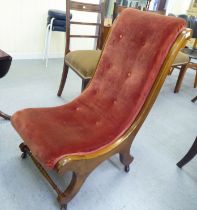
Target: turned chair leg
x=180 y=78
x=84 y=84
x=125 y=157
x=195 y=82
x=5 y=116
x=63 y=80
x=191 y=153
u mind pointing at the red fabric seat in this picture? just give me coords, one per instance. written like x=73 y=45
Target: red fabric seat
x=125 y=74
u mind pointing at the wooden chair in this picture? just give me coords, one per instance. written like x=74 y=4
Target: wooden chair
x=190 y=53
x=5 y=62
x=106 y=117
x=189 y=156
x=82 y=62
x=181 y=61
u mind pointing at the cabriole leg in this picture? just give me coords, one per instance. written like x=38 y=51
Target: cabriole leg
x=125 y=157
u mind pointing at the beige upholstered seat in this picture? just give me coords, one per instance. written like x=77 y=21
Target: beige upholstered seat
x=181 y=62
x=84 y=62
x=181 y=59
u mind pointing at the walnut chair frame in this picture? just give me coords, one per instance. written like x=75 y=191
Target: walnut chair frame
x=82 y=165
x=83 y=7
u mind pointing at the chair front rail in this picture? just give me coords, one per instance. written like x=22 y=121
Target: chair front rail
x=84 y=7
x=84 y=36
x=84 y=23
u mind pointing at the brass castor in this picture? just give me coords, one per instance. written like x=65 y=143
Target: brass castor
x=63 y=207
x=24 y=155
x=127 y=168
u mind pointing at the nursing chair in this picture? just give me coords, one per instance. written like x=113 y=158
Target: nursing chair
x=106 y=117
x=82 y=62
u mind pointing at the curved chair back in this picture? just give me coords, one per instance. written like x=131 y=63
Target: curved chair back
x=84 y=7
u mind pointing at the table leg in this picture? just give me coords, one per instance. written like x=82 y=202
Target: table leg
x=194 y=99
x=5 y=116
x=191 y=153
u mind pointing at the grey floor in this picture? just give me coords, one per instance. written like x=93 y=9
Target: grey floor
x=154 y=181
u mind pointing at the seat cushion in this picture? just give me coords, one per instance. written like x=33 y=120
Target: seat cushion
x=57 y=14
x=59 y=28
x=56 y=22
x=181 y=59
x=83 y=62
x=128 y=68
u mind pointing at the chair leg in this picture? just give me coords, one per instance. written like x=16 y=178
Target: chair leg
x=194 y=99
x=84 y=84
x=5 y=116
x=49 y=40
x=195 y=82
x=180 y=78
x=63 y=79
x=125 y=157
x=191 y=153
x=46 y=42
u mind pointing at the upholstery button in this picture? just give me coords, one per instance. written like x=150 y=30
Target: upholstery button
x=129 y=74
x=77 y=108
x=98 y=123
x=121 y=36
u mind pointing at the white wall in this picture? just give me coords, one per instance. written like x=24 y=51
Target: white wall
x=23 y=26
x=178 y=6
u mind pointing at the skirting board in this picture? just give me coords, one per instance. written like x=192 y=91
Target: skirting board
x=22 y=56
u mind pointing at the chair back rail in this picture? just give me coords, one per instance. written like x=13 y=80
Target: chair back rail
x=84 y=7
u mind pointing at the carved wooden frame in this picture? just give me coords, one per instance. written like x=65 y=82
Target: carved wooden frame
x=82 y=165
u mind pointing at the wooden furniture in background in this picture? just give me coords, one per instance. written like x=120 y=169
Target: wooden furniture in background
x=189 y=156
x=80 y=135
x=82 y=61
x=5 y=62
x=190 y=65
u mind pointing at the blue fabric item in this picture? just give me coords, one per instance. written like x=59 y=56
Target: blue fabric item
x=57 y=14
x=59 y=28
x=193 y=26
x=56 y=22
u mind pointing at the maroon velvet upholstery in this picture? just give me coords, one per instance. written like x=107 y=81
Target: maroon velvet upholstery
x=129 y=65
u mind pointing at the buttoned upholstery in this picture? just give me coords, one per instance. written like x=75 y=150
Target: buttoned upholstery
x=129 y=64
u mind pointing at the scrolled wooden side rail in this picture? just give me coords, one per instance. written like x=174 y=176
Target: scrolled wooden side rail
x=81 y=168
